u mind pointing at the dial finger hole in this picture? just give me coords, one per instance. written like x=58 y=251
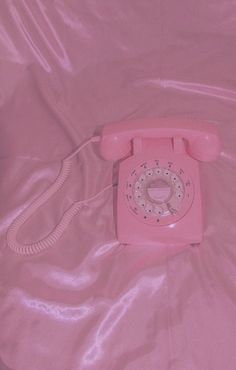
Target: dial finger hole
x=148 y=208
x=166 y=172
x=158 y=211
x=158 y=171
x=179 y=186
x=179 y=195
x=138 y=194
x=138 y=185
x=149 y=173
x=142 y=203
x=174 y=179
x=142 y=178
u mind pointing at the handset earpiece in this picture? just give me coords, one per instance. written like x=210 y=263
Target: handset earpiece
x=204 y=147
x=114 y=148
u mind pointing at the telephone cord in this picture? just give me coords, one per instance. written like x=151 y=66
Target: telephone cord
x=50 y=239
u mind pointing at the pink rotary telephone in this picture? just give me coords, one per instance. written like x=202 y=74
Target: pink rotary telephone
x=159 y=194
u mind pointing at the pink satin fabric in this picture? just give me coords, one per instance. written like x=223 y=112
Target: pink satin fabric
x=67 y=68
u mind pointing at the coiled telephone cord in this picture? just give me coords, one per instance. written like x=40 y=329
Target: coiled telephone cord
x=49 y=240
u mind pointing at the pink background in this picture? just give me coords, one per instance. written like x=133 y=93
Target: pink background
x=67 y=68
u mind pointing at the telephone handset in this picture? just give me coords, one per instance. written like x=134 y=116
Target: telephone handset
x=159 y=194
